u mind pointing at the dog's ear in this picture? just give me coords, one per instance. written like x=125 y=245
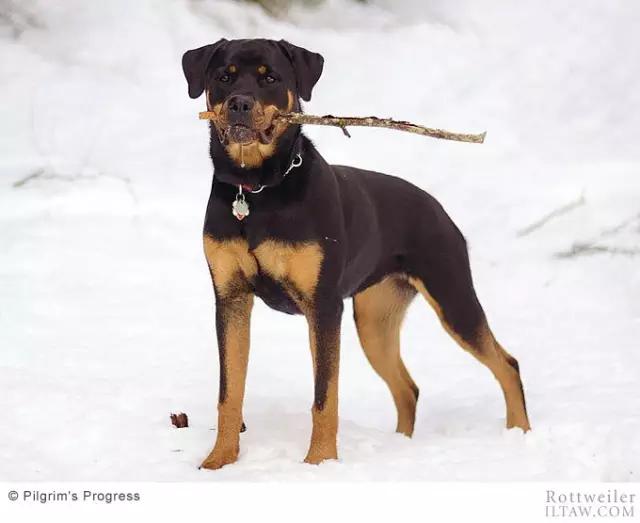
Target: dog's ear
x=307 y=66
x=195 y=63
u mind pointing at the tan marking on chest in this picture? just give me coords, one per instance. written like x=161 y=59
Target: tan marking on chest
x=229 y=261
x=296 y=265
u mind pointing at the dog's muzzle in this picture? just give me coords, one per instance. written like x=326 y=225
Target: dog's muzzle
x=244 y=122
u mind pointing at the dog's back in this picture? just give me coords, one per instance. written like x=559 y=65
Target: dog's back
x=391 y=224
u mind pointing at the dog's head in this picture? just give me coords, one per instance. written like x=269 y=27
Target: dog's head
x=246 y=84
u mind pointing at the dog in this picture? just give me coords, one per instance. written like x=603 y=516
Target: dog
x=303 y=235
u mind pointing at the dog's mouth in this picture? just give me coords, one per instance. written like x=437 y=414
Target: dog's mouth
x=245 y=135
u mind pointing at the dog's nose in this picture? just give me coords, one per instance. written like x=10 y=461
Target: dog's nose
x=241 y=103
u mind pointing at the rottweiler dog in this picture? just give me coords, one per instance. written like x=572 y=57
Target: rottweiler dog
x=301 y=234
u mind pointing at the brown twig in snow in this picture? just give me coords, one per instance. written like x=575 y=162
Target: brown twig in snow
x=180 y=420
x=369 y=121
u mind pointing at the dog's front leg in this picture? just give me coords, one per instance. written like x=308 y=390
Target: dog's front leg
x=324 y=336
x=233 y=315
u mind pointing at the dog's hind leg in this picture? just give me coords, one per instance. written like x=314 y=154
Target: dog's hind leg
x=444 y=279
x=379 y=311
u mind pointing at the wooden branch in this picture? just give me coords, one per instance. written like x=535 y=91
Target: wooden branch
x=369 y=121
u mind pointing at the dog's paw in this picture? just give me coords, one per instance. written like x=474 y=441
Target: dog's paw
x=315 y=458
x=218 y=459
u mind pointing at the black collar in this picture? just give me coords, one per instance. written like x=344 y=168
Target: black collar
x=294 y=160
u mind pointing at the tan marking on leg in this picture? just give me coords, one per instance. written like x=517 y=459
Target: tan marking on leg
x=236 y=320
x=489 y=352
x=231 y=267
x=379 y=311
x=324 y=435
x=323 y=444
x=229 y=261
x=509 y=377
x=296 y=266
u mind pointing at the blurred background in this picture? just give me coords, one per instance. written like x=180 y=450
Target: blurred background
x=106 y=308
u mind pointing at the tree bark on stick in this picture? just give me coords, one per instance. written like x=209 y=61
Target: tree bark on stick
x=369 y=121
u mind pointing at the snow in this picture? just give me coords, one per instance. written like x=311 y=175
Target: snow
x=106 y=307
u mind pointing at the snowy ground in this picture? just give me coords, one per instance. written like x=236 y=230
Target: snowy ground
x=106 y=309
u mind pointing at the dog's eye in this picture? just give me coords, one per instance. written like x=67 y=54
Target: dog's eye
x=269 y=79
x=224 y=78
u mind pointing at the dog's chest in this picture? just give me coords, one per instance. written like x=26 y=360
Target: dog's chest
x=283 y=274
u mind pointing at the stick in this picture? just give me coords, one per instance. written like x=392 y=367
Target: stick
x=369 y=121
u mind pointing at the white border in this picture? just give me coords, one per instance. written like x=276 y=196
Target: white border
x=305 y=502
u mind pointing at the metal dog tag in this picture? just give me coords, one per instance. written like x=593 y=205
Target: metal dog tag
x=240 y=208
